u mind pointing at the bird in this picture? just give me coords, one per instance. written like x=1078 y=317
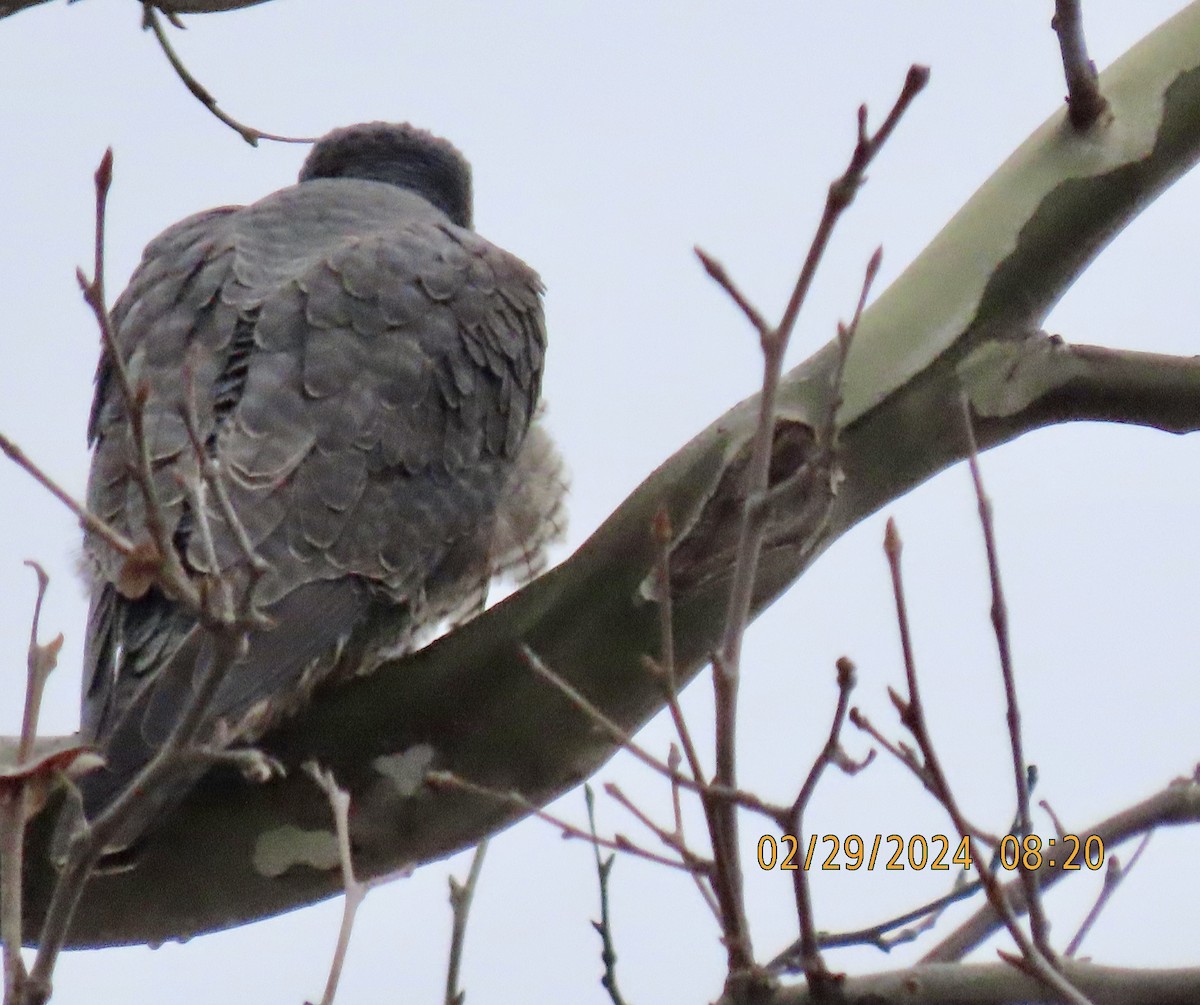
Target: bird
x=363 y=372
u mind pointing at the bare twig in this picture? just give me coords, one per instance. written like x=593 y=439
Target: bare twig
x=720 y=275
x=89 y=844
x=1113 y=877
x=15 y=800
x=664 y=671
x=355 y=891
x=1039 y=926
x=878 y=935
x=12 y=847
x=1085 y=103
x=665 y=668
x=608 y=949
x=461 y=895
x=912 y=715
x=449 y=780
x=845 y=338
x=227 y=629
x=911 y=710
x=727 y=661
x=1059 y=829
x=703 y=885
x=1177 y=804
x=248 y=133
x=170 y=571
x=702 y=867
x=815 y=972
x=113 y=538
x=742 y=798
x=211 y=480
x=40 y=660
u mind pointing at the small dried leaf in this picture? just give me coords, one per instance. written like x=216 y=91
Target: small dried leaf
x=72 y=761
x=39 y=777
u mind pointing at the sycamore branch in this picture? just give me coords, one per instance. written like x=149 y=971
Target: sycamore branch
x=964 y=316
x=1000 y=984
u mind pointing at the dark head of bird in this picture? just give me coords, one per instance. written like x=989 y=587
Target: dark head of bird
x=398 y=154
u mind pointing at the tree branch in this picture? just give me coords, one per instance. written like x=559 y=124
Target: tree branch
x=999 y=984
x=1085 y=103
x=470 y=702
x=1177 y=804
x=251 y=135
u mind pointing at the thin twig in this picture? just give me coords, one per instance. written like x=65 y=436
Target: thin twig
x=1114 y=875
x=1085 y=103
x=742 y=798
x=210 y=468
x=1176 y=805
x=89 y=844
x=815 y=971
x=672 y=839
x=1039 y=926
x=171 y=573
x=112 y=537
x=603 y=927
x=1059 y=829
x=40 y=660
x=845 y=338
x=15 y=800
x=12 y=848
x=212 y=480
x=248 y=133
x=789 y=959
x=727 y=660
x=197 y=490
x=720 y=275
x=449 y=780
x=908 y=757
x=665 y=668
x=228 y=632
x=912 y=715
x=703 y=885
x=461 y=895
x=355 y=891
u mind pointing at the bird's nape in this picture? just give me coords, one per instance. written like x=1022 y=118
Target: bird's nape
x=398 y=154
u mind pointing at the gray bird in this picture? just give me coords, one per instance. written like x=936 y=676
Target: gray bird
x=366 y=371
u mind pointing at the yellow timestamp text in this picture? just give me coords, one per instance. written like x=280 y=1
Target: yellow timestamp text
x=893 y=852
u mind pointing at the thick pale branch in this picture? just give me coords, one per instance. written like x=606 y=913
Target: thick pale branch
x=469 y=705
x=1052 y=381
x=999 y=984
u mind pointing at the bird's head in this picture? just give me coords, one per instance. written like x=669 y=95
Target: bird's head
x=398 y=154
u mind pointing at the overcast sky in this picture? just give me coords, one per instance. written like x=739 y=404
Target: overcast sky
x=607 y=140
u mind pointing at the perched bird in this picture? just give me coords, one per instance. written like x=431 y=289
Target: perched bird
x=365 y=370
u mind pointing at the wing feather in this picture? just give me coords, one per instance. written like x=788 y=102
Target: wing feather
x=365 y=373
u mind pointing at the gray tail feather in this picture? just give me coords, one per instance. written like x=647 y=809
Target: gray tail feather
x=304 y=645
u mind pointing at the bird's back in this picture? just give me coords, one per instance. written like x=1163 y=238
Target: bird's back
x=364 y=370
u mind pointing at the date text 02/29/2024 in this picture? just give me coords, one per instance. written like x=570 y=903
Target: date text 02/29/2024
x=892 y=852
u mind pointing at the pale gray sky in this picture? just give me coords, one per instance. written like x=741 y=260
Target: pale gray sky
x=607 y=140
